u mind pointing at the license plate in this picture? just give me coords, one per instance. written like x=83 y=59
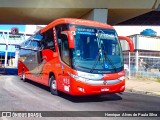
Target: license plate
x=104 y=89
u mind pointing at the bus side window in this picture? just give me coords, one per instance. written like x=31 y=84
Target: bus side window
x=63 y=46
x=27 y=44
x=36 y=45
x=48 y=40
x=65 y=51
x=59 y=28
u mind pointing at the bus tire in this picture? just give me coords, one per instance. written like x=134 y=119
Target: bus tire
x=53 y=85
x=23 y=76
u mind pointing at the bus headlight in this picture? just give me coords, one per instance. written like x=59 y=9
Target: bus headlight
x=78 y=77
x=121 y=78
x=90 y=76
x=85 y=77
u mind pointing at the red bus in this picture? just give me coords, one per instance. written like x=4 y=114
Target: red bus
x=75 y=56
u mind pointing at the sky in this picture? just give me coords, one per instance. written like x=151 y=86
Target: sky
x=21 y=28
x=131 y=30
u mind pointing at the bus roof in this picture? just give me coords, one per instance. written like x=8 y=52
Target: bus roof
x=75 y=21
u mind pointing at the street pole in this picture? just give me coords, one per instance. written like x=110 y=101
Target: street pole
x=6 y=53
x=129 y=66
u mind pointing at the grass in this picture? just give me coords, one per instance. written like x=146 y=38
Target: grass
x=157 y=79
x=139 y=77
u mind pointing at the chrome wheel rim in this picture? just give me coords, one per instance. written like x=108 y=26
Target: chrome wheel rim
x=54 y=85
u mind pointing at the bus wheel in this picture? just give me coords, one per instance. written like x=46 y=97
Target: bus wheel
x=53 y=85
x=23 y=77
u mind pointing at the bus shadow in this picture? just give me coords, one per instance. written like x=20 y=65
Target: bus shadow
x=80 y=99
x=91 y=98
x=38 y=85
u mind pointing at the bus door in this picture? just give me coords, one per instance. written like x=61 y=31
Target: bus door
x=64 y=81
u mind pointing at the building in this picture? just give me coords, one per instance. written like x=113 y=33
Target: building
x=11 y=36
x=146 y=56
x=9 y=45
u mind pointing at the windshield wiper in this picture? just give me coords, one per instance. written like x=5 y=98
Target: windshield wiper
x=97 y=59
x=103 y=54
x=104 y=60
x=110 y=61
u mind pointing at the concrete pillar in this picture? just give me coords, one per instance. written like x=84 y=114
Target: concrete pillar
x=99 y=15
x=129 y=65
x=6 y=52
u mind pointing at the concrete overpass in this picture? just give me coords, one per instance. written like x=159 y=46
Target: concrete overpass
x=45 y=11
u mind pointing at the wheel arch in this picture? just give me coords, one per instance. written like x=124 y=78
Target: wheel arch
x=23 y=69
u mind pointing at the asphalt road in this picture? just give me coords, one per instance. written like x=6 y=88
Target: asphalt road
x=16 y=95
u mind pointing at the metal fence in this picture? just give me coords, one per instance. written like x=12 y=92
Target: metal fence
x=142 y=63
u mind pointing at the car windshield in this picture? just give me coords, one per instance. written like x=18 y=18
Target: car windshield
x=96 y=50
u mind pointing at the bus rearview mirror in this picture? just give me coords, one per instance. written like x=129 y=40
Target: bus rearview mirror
x=70 y=38
x=130 y=42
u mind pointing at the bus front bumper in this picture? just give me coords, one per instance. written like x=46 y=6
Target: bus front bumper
x=105 y=87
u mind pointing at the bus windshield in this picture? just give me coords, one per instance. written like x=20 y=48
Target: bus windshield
x=96 y=50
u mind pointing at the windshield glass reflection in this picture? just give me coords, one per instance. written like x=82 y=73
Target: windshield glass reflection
x=96 y=49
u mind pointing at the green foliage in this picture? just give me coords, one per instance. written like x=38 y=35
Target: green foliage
x=158 y=80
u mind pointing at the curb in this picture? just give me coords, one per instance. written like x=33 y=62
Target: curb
x=143 y=92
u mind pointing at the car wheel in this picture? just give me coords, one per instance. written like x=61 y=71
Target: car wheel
x=53 y=85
